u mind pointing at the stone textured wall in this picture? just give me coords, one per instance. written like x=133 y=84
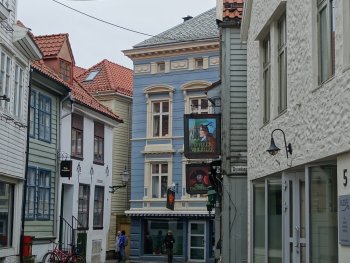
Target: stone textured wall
x=316 y=121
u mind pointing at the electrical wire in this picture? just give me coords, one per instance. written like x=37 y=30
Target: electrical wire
x=112 y=24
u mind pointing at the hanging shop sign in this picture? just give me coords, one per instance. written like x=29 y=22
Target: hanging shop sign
x=202 y=136
x=197 y=178
x=66 y=168
x=170 y=199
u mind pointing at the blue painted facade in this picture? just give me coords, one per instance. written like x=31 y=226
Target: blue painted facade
x=171 y=72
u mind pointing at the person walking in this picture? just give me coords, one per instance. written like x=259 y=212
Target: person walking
x=169 y=244
x=117 y=250
x=122 y=243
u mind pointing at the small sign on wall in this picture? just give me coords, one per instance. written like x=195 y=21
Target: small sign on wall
x=344 y=220
x=66 y=168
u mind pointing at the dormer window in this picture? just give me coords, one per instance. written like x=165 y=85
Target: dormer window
x=161 y=67
x=199 y=63
x=92 y=75
x=65 y=70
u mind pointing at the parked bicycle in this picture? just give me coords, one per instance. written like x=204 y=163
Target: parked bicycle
x=58 y=255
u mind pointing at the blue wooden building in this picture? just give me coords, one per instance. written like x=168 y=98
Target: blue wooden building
x=171 y=73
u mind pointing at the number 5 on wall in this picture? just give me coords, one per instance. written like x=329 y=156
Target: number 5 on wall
x=345 y=171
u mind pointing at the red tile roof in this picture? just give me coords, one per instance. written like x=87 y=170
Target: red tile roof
x=77 y=71
x=110 y=77
x=78 y=92
x=233 y=9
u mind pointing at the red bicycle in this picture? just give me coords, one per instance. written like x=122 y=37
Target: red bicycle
x=57 y=255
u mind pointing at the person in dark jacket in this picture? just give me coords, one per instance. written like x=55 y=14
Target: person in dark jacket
x=169 y=244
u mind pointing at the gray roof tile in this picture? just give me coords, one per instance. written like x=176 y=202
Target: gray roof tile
x=200 y=27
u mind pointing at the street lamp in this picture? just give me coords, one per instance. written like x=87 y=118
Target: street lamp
x=125 y=179
x=273 y=149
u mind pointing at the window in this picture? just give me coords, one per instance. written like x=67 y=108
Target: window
x=159 y=173
x=160 y=118
x=282 y=64
x=98 y=142
x=98 y=206
x=32 y=113
x=38 y=194
x=65 y=70
x=161 y=67
x=326 y=36
x=77 y=135
x=44 y=114
x=83 y=205
x=198 y=63
x=92 y=75
x=199 y=105
x=6 y=214
x=5 y=74
x=31 y=193
x=154 y=232
x=266 y=78
x=18 y=92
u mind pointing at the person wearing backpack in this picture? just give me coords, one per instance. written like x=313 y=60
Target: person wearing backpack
x=123 y=242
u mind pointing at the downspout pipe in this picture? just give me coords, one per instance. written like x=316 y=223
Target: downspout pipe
x=24 y=197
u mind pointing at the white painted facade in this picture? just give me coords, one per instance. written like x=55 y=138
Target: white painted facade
x=91 y=174
x=13 y=121
x=316 y=121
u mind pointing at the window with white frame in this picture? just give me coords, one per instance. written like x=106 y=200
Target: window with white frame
x=159 y=178
x=199 y=105
x=266 y=45
x=5 y=77
x=6 y=214
x=44 y=114
x=160 y=118
x=98 y=206
x=38 y=194
x=83 y=206
x=18 y=92
x=198 y=62
x=282 y=64
x=326 y=37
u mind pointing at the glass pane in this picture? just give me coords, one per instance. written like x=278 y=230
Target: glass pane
x=197 y=253
x=291 y=247
x=291 y=209
x=275 y=223
x=156 y=125
x=302 y=209
x=164 y=168
x=323 y=45
x=197 y=229
x=164 y=186
x=155 y=168
x=259 y=224
x=156 y=107
x=165 y=125
x=155 y=187
x=165 y=108
x=197 y=241
x=302 y=253
x=204 y=104
x=323 y=214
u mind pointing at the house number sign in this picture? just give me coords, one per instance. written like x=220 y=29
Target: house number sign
x=344 y=220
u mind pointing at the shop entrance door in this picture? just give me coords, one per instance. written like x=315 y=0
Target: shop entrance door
x=196 y=242
x=294 y=206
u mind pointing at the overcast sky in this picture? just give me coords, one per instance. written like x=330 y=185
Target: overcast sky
x=93 y=41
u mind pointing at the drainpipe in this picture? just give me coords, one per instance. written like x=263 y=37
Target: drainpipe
x=24 y=197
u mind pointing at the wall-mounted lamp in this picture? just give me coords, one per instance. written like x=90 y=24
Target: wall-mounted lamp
x=125 y=179
x=107 y=170
x=273 y=149
x=5 y=98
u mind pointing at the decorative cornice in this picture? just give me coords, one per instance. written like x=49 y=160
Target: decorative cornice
x=158 y=89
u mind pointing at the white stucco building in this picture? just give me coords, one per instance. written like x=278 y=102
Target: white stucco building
x=299 y=82
x=16 y=50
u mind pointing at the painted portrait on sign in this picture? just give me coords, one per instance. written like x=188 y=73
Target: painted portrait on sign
x=197 y=178
x=202 y=136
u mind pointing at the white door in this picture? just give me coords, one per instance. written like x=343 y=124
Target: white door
x=196 y=242
x=294 y=206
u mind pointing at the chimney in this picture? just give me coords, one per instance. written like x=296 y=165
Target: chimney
x=186 y=18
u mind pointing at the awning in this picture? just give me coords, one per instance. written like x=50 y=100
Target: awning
x=144 y=213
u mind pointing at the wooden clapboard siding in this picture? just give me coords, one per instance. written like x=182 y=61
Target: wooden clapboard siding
x=234 y=145
x=43 y=155
x=121 y=158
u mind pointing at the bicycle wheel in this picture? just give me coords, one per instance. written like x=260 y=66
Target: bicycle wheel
x=50 y=257
x=75 y=258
